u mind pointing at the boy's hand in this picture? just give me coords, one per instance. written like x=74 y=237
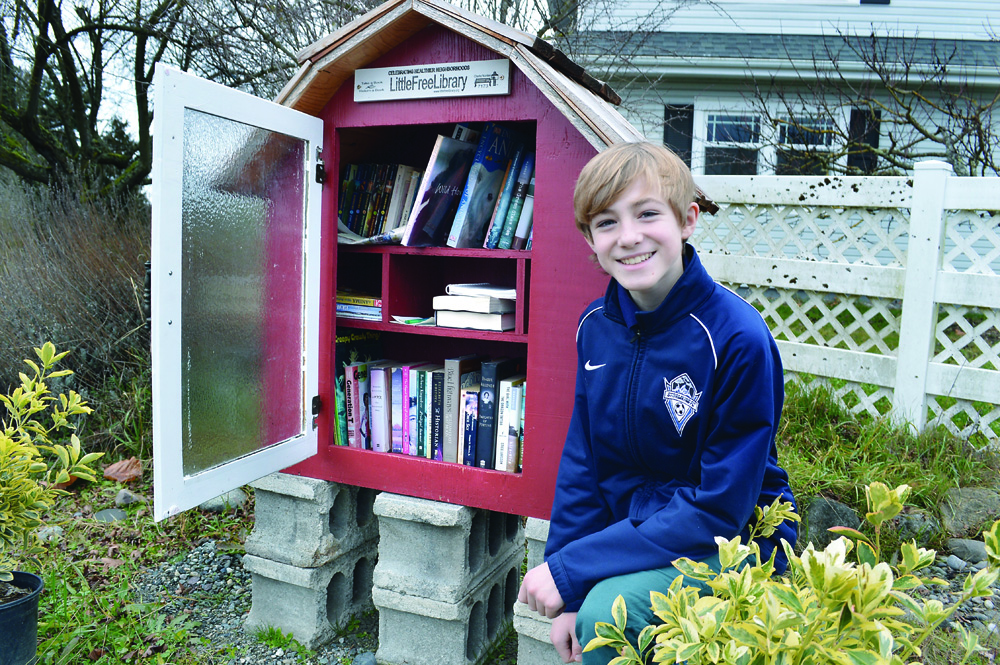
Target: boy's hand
x=563 y=636
x=540 y=593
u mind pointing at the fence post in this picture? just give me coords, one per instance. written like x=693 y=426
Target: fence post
x=919 y=318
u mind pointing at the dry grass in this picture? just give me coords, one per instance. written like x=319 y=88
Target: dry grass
x=71 y=272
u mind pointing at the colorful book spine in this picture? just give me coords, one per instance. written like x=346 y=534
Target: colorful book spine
x=470 y=411
x=503 y=201
x=437 y=415
x=381 y=435
x=520 y=432
x=358 y=299
x=513 y=428
x=492 y=372
x=506 y=420
x=421 y=419
x=397 y=410
x=524 y=222
x=517 y=202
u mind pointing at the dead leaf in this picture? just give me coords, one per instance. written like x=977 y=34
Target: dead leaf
x=62 y=486
x=124 y=471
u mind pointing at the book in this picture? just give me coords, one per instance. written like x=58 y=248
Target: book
x=492 y=372
x=485 y=304
x=380 y=376
x=401 y=182
x=470 y=417
x=423 y=407
x=525 y=221
x=345 y=297
x=520 y=431
x=398 y=408
x=359 y=311
x=411 y=195
x=514 y=427
x=436 y=380
x=340 y=428
x=474 y=320
x=454 y=371
x=481 y=289
x=408 y=424
x=352 y=346
x=503 y=202
x=357 y=401
x=465 y=132
x=504 y=419
x=517 y=202
x=439 y=192
x=485 y=180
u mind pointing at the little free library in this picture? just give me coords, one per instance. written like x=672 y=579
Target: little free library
x=301 y=241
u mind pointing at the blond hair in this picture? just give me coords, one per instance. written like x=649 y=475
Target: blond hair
x=606 y=177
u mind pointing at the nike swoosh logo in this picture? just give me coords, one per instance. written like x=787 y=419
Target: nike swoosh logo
x=587 y=366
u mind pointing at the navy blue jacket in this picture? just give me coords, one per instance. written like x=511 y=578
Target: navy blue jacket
x=671 y=442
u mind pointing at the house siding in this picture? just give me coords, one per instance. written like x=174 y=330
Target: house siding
x=939 y=19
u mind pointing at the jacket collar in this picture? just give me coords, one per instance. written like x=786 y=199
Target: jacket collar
x=691 y=290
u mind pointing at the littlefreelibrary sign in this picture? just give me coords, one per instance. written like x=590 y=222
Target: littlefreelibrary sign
x=452 y=79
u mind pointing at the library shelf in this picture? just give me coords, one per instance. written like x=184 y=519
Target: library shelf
x=434 y=331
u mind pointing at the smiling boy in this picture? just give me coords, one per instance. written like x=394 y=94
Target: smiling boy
x=678 y=395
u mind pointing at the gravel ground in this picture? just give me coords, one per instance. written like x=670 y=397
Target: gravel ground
x=214 y=589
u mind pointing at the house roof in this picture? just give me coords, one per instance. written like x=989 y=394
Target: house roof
x=327 y=64
x=743 y=49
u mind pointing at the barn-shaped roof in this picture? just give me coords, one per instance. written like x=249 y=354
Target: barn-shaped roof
x=330 y=62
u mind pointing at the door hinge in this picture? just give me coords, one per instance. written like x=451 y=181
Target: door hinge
x=317 y=405
x=320 y=170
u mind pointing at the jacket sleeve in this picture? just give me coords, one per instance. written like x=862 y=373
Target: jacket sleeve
x=732 y=459
x=578 y=511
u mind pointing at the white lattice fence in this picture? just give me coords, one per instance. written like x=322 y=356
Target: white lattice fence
x=884 y=289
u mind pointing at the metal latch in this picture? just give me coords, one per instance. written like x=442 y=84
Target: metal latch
x=317 y=405
x=320 y=169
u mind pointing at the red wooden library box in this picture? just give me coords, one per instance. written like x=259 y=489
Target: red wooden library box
x=568 y=117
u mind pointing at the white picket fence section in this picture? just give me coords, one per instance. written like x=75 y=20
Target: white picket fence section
x=884 y=288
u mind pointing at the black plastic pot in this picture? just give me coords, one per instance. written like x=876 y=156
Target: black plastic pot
x=19 y=622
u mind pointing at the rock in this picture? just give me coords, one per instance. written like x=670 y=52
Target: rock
x=49 y=533
x=824 y=513
x=973 y=551
x=913 y=524
x=127 y=497
x=366 y=658
x=220 y=504
x=110 y=515
x=955 y=563
x=965 y=511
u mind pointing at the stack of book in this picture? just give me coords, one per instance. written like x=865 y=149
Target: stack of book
x=353 y=305
x=475 y=306
x=377 y=198
x=468 y=410
x=475 y=194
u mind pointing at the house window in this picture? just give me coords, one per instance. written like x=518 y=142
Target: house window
x=803 y=145
x=678 y=128
x=732 y=144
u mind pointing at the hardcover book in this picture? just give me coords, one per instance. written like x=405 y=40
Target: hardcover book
x=454 y=370
x=493 y=371
x=517 y=202
x=503 y=203
x=397 y=421
x=485 y=304
x=479 y=197
x=523 y=228
x=470 y=416
x=439 y=192
x=505 y=420
x=380 y=375
x=436 y=380
x=474 y=320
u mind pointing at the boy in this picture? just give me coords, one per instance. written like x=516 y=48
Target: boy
x=678 y=395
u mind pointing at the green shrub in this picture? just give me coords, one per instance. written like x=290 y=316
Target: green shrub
x=824 y=609
x=31 y=464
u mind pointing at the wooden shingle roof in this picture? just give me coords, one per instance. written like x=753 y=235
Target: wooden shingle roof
x=327 y=64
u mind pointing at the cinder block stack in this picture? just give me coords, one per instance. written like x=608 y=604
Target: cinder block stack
x=533 y=644
x=446 y=580
x=311 y=554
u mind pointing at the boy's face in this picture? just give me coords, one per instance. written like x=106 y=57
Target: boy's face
x=639 y=241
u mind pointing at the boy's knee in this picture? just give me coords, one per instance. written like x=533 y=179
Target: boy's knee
x=598 y=603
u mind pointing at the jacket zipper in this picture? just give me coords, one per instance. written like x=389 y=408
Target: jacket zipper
x=631 y=403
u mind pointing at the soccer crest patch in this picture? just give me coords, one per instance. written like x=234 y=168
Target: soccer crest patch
x=681 y=398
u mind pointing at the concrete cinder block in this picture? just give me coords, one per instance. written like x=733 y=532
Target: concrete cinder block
x=307 y=522
x=424 y=631
x=311 y=603
x=536 y=533
x=440 y=551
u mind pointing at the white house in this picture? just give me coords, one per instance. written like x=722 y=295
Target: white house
x=746 y=86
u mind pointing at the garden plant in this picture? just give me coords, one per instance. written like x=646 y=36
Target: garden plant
x=824 y=609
